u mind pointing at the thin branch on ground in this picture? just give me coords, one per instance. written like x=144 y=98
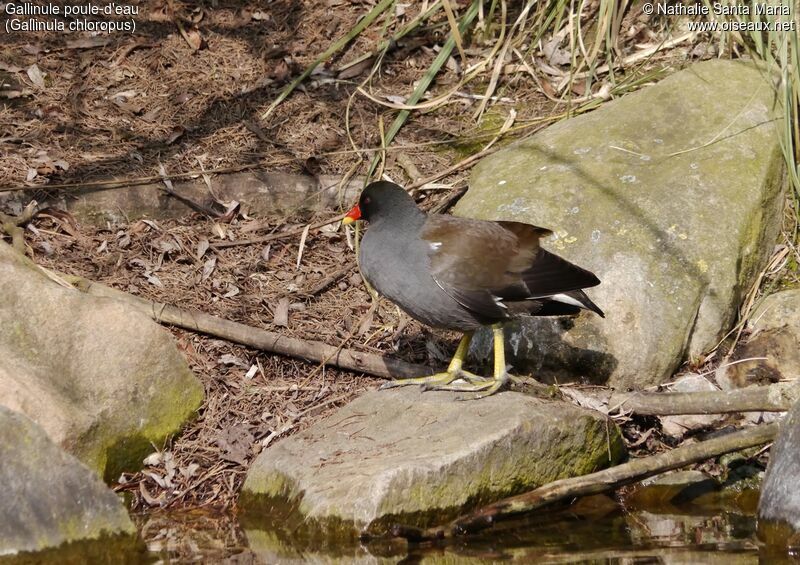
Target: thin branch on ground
x=488 y=150
x=330 y=279
x=170 y=190
x=254 y=337
x=777 y=397
x=593 y=483
x=449 y=201
x=280 y=235
x=13 y=226
x=333 y=48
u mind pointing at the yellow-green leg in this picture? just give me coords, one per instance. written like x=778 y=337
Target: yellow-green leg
x=441 y=380
x=500 y=378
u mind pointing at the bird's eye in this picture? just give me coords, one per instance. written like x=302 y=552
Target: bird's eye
x=367 y=200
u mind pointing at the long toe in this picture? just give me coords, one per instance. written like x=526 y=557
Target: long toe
x=475 y=379
x=391 y=384
x=440 y=380
x=455 y=384
x=487 y=390
x=465 y=387
x=427 y=383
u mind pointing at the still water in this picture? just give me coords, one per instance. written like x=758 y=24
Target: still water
x=642 y=529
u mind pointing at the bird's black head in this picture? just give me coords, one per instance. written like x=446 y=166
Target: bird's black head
x=379 y=200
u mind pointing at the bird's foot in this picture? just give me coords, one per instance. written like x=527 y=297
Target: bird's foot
x=452 y=382
x=439 y=381
x=488 y=388
x=425 y=382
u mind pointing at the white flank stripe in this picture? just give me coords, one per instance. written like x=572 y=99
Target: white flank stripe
x=566 y=300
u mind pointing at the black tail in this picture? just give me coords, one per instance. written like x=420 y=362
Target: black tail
x=581 y=297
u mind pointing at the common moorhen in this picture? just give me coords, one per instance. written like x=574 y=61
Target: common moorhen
x=461 y=274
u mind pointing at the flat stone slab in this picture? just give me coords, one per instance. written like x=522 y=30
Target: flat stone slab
x=671 y=195
x=49 y=497
x=420 y=458
x=260 y=193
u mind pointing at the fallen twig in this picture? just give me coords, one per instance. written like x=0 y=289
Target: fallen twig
x=273 y=236
x=12 y=225
x=170 y=189
x=254 y=337
x=448 y=201
x=633 y=58
x=333 y=48
x=777 y=397
x=593 y=483
x=425 y=81
x=469 y=160
x=330 y=279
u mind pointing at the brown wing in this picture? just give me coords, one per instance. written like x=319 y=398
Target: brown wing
x=482 y=263
x=480 y=255
x=472 y=259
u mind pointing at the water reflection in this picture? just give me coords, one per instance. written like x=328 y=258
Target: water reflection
x=711 y=528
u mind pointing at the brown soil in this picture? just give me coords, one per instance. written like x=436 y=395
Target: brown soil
x=120 y=109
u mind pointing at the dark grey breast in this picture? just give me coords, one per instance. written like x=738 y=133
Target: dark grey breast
x=396 y=262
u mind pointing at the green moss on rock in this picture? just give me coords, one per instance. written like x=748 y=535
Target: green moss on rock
x=422 y=459
x=49 y=497
x=671 y=195
x=103 y=380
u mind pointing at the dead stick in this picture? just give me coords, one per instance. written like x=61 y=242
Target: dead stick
x=594 y=483
x=777 y=397
x=272 y=237
x=452 y=169
x=330 y=279
x=254 y=337
x=446 y=203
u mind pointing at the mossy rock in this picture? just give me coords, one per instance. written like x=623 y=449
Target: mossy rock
x=402 y=456
x=671 y=194
x=49 y=497
x=103 y=380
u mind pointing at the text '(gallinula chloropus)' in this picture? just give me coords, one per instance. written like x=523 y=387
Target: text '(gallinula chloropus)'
x=460 y=274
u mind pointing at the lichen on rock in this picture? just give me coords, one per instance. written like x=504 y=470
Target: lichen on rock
x=103 y=380
x=671 y=196
x=421 y=458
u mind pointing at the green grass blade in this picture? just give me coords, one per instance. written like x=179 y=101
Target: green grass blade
x=426 y=80
x=359 y=27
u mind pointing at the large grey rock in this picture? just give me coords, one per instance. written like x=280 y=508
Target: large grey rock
x=49 y=497
x=104 y=381
x=780 y=495
x=772 y=353
x=669 y=195
x=403 y=455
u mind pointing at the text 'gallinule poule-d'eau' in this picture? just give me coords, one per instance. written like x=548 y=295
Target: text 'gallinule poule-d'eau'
x=460 y=274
